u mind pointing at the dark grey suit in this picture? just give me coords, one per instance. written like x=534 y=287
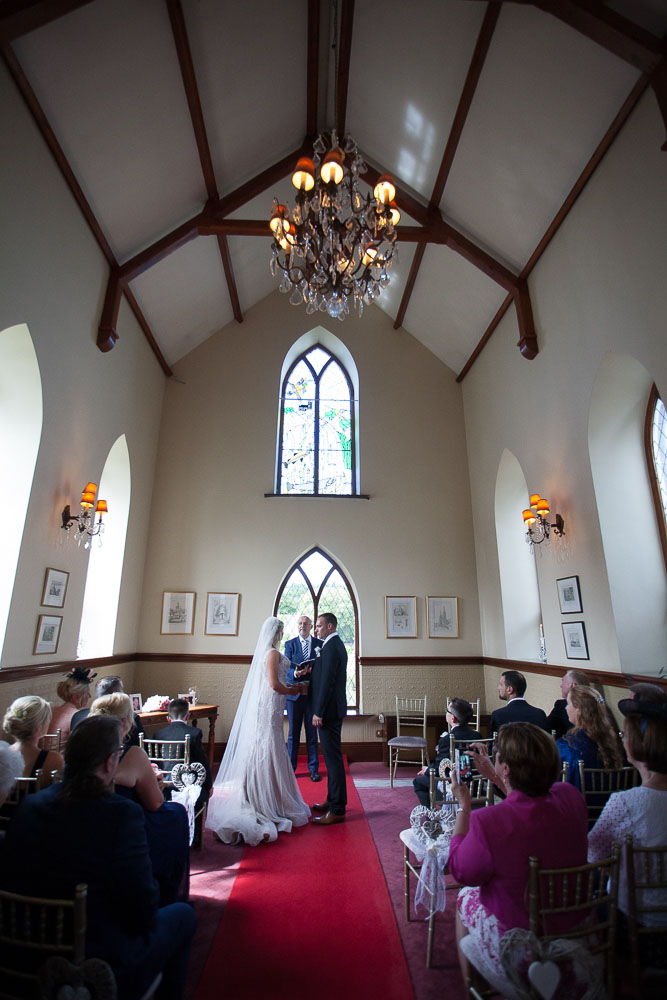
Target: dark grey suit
x=329 y=702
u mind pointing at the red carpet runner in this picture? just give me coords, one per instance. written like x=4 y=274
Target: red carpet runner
x=309 y=915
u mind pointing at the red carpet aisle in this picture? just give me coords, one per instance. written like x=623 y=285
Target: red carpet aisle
x=310 y=909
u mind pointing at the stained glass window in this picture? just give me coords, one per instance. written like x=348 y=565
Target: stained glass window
x=316 y=454
x=316 y=585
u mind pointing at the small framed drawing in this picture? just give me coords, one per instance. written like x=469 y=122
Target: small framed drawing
x=443 y=617
x=222 y=614
x=574 y=636
x=569 y=595
x=136 y=703
x=178 y=612
x=48 y=633
x=400 y=617
x=55 y=588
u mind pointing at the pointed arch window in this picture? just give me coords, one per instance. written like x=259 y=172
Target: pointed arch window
x=316 y=451
x=655 y=439
x=315 y=584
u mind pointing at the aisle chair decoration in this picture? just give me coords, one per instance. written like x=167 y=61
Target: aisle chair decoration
x=187 y=780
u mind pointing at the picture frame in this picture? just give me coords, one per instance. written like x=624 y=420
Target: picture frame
x=55 y=588
x=400 y=617
x=442 y=616
x=569 y=595
x=178 y=612
x=137 y=702
x=47 y=636
x=222 y=613
x=574 y=637
x=186 y=697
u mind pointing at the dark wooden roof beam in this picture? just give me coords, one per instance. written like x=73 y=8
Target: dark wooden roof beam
x=18 y=17
x=344 y=43
x=312 y=67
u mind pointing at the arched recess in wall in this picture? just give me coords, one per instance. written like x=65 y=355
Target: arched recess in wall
x=324 y=366
x=518 y=574
x=105 y=563
x=21 y=415
x=313 y=585
x=630 y=537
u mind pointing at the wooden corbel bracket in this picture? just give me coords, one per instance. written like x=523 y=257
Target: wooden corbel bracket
x=527 y=343
x=107 y=334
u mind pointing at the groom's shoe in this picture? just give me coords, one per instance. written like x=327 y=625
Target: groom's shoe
x=328 y=819
x=321 y=807
x=314 y=776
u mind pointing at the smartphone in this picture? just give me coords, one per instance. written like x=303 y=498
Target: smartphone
x=463 y=765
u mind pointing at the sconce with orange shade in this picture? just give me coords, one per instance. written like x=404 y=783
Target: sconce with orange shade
x=86 y=525
x=538 y=528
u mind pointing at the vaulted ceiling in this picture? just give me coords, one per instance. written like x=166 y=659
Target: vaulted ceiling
x=176 y=122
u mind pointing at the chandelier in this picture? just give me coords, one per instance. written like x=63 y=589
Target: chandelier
x=337 y=245
x=86 y=525
x=538 y=527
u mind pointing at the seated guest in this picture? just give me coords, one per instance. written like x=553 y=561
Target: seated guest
x=11 y=768
x=110 y=685
x=75 y=693
x=640 y=811
x=511 y=688
x=167 y=827
x=459 y=715
x=81 y=832
x=489 y=850
x=592 y=737
x=178 y=729
x=26 y=721
x=557 y=719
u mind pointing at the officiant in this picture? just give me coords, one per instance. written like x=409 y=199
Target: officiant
x=297 y=651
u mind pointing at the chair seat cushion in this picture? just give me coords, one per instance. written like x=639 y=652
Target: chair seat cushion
x=407 y=742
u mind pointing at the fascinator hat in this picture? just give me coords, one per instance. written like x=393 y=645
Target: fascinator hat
x=81 y=675
x=643 y=708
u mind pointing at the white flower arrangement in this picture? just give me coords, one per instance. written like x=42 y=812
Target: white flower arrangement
x=156 y=703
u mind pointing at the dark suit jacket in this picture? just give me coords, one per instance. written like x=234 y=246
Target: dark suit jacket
x=517 y=710
x=327 y=683
x=460 y=732
x=294 y=654
x=178 y=731
x=52 y=845
x=557 y=718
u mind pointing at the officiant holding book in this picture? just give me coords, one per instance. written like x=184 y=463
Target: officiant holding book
x=298 y=651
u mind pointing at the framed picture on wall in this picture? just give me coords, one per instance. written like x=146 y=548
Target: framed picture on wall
x=55 y=588
x=222 y=614
x=569 y=595
x=178 y=612
x=400 y=617
x=48 y=633
x=443 y=617
x=574 y=636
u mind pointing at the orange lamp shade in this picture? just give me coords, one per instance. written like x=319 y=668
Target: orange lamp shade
x=279 y=221
x=384 y=190
x=528 y=517
x=543 y=507
x=332 y=167
x=87 y=499
x=288 y=237
x=534 y=500
x=101 y=507
x=395 y=214
x=303 y=177
x=90 y=488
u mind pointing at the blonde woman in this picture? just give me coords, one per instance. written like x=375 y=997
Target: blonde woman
x=26 y=721
x=74 y=690
x=167 y=827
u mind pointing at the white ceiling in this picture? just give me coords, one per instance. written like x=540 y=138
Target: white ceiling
x=108 y=80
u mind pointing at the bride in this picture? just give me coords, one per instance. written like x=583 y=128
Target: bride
x=255 y=794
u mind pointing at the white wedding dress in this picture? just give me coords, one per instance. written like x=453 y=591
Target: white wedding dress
x=255 y=795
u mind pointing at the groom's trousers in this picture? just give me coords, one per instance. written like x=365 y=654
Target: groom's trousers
x=330 y=734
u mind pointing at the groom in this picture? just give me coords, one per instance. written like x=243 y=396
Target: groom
x=329 y=705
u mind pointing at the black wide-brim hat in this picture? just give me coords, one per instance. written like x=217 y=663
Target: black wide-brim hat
x=646 y=709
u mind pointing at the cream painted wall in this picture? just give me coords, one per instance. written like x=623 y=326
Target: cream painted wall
x=53 y=278
x=600 y=286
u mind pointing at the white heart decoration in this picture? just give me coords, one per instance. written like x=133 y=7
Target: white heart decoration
x=545 y=977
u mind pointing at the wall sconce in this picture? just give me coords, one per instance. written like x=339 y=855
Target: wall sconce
x=86 y=526
x=537 y=525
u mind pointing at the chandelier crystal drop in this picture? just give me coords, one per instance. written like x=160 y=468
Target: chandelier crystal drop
x=337 y=244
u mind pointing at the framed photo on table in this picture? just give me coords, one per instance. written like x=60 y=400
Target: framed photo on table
x=569 y=595
x=178 y=612
x=55 y=588
x=574 y=636
x=442 y=614
x=222 y=614
x=400 y=617
x=48 y=634
x=136 y=703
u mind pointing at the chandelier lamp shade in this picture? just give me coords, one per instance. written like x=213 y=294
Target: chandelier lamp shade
x=337 y=245
x=84 y=522
x=538 y=527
